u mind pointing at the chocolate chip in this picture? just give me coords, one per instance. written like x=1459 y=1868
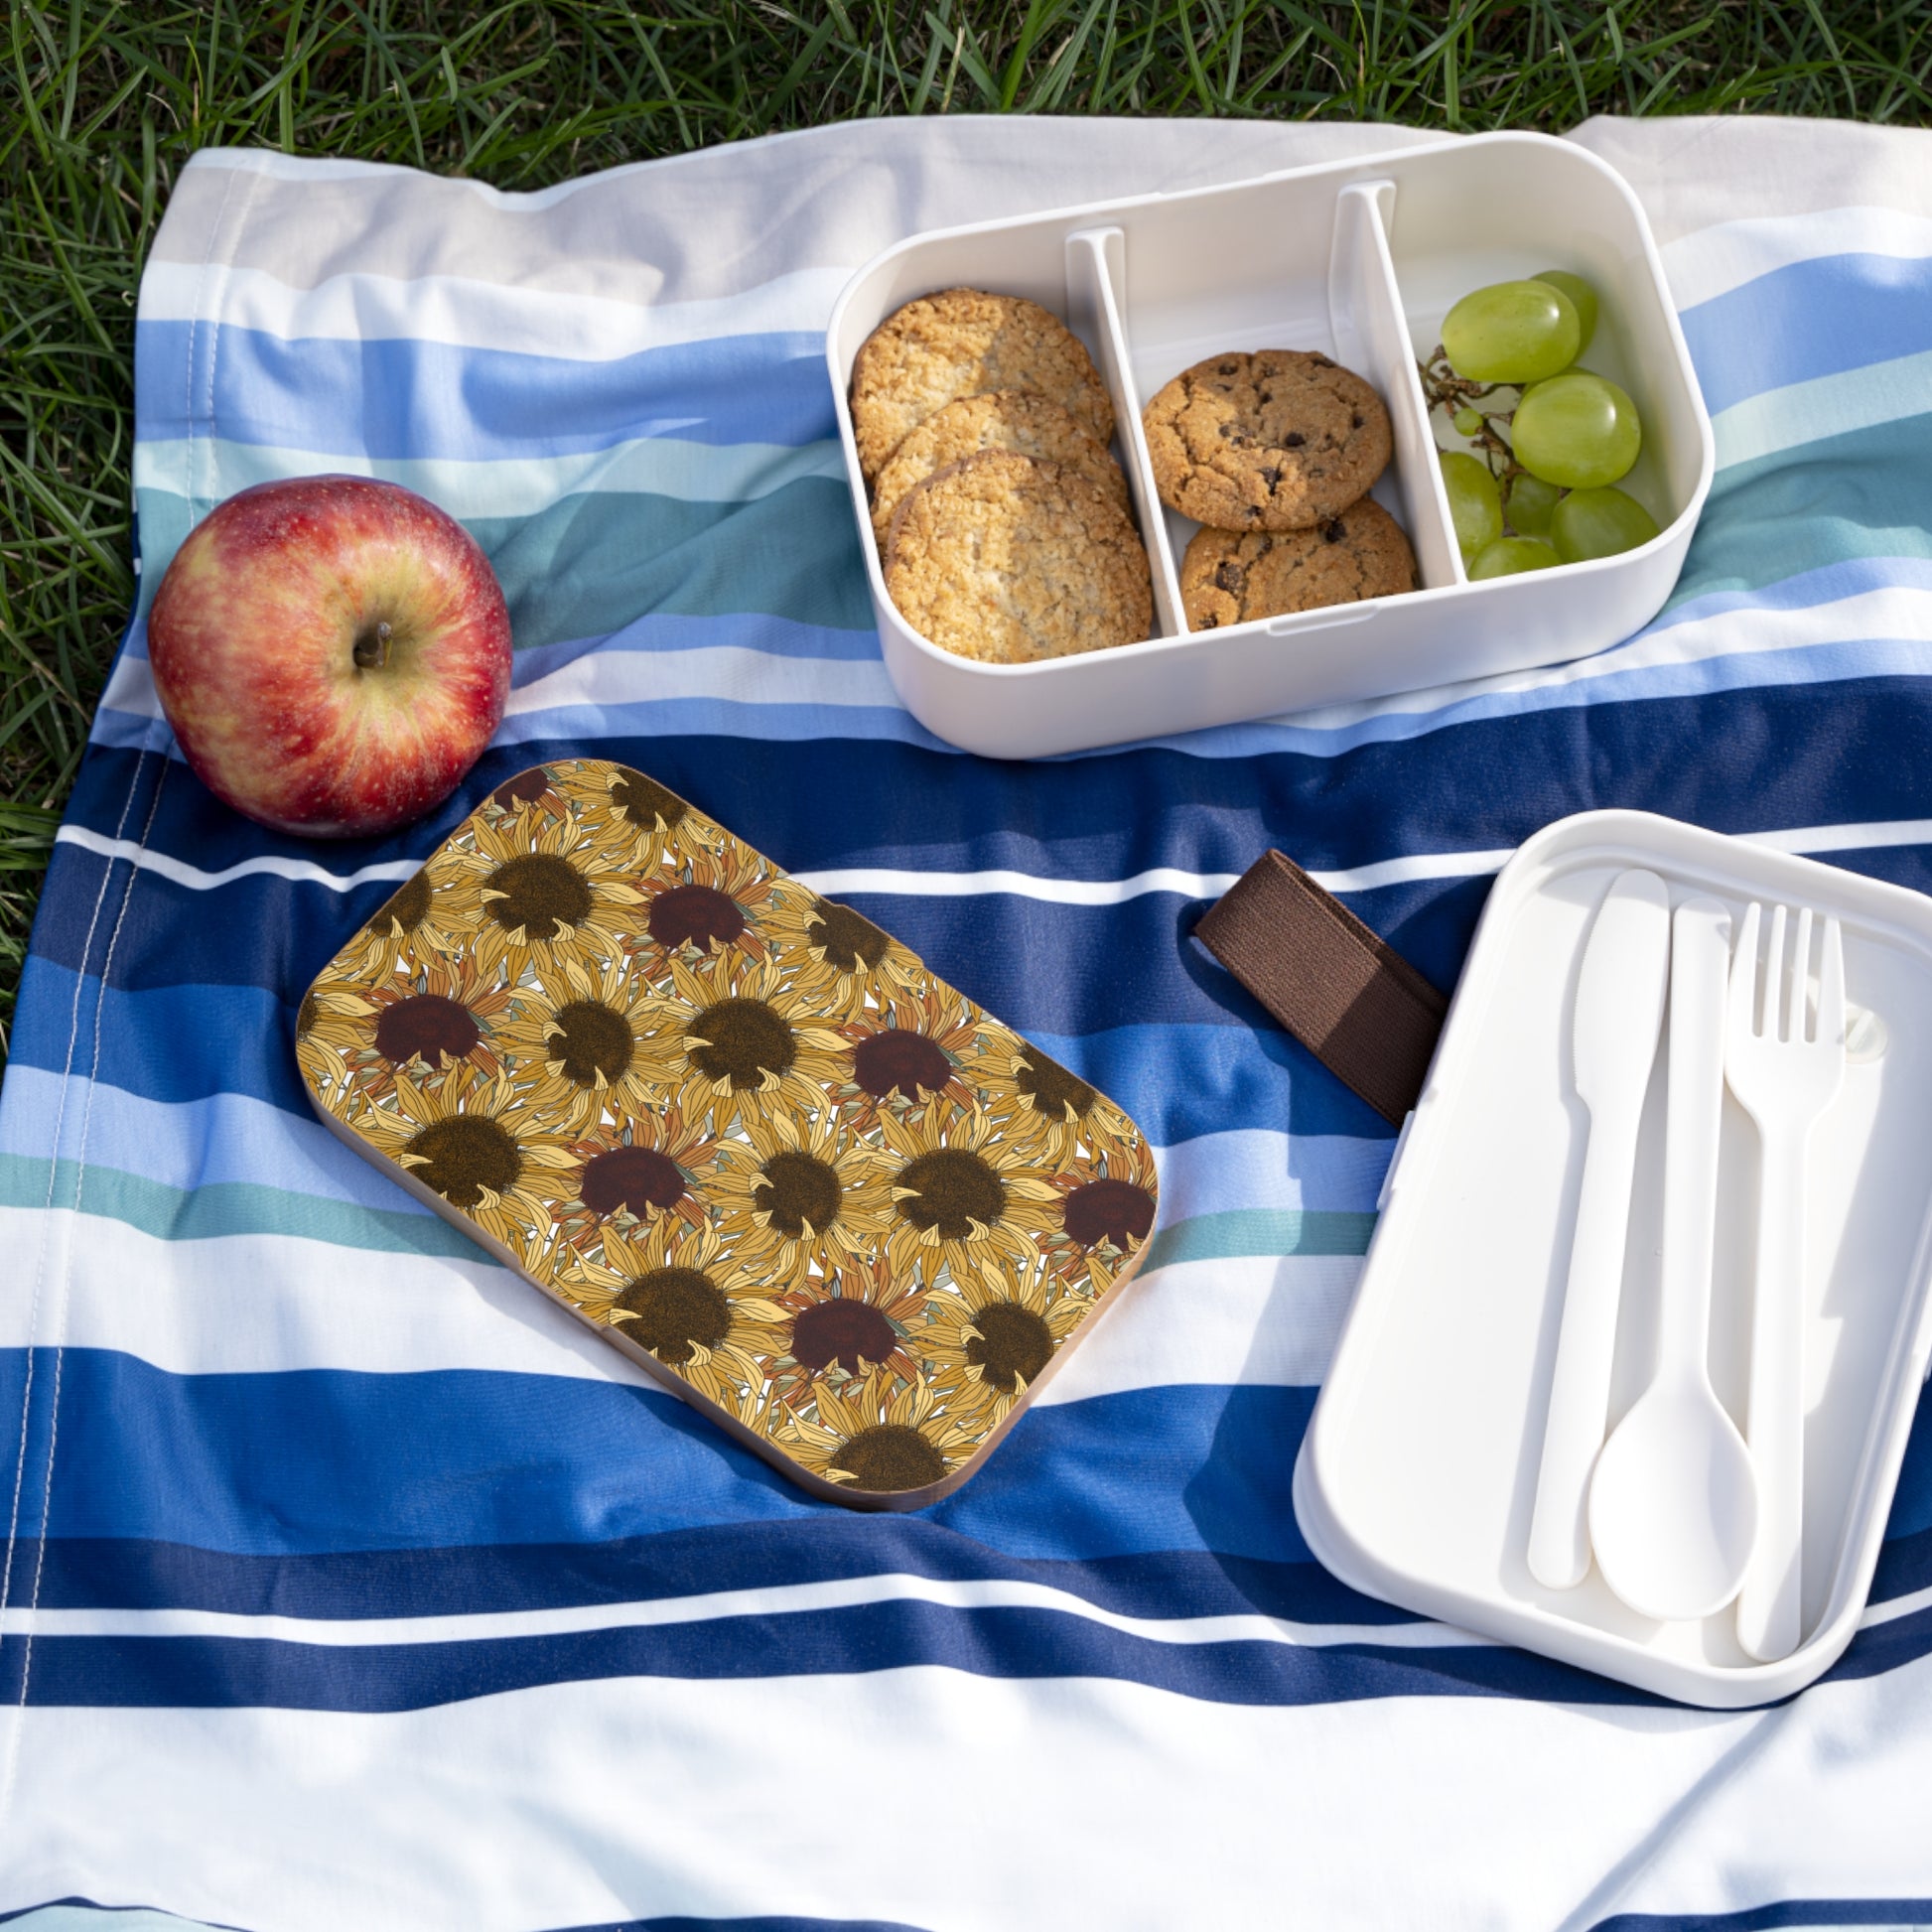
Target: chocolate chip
x=1210 y=623
x=1227 y=429
x=1267 y=395
x=1355 y=422
x=1321 y=362
x=1270 y=478
x=1333 y=532
x=1226 y=368
x=1294 y=439
x=1230 y=577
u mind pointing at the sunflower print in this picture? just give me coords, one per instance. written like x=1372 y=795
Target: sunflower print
x=907 y=1057
x=411 y=924
x=630 y=1169
x=1106 y=1204
x=747 y=1041
x=528 y=897
x=673 y=1291
x=733 y=1123
x=985 y=1345
x=846 y=962
x=964 y=1197
x=835 y=1330
x=877 y=1438
x=702 y=906
x=796 y=1195
x=587 y=1043
x=470 y=1141
x=427 y=1016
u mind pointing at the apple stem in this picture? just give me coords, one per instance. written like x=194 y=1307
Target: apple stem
x=373 y=648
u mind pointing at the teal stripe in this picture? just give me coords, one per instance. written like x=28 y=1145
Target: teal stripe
x=226 y=1208
x=1251 y=1231
x=1865 y=493
x=589 y=565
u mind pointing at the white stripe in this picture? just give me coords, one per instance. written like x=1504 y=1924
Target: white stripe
x=507 y=486
x=1713 y=261
x=929 y=1796
x=730 y=672
x=1826 y=406
x=789 y=1599
x=263 y=1304
x=181 y=873
x=568 y=324
x=1894 y=1607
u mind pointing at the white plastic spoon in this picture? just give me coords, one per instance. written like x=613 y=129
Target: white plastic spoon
x=1673 y=1504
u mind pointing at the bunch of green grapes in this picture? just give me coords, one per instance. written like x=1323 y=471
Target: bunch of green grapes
x=1571 y=437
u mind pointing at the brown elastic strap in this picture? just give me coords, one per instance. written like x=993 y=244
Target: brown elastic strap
x=1351 y=999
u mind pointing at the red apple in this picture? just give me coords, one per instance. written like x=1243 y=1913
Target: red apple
x=333 y=654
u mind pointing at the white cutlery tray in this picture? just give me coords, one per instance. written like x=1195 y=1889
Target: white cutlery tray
x=1358 y=261
x=1417 y=1474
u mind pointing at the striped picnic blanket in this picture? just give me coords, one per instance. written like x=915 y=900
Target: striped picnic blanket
x=348 y=1584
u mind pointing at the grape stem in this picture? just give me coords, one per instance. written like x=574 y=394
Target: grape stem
x=1443 y=389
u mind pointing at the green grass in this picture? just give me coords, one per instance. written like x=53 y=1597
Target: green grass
x=103 y=101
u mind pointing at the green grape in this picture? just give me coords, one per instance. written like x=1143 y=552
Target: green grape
x=1531 y=502
x=1508 y=555
x=1583 y=299
x=1468 y=422
x=1513 y=331
x=1600 y=524
x=1577 y=430
x=1475 y=504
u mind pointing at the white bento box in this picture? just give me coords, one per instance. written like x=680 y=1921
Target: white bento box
x=1417 y=1475
x=1358 y=261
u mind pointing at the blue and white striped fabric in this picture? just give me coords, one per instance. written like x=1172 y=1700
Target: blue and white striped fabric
x=348 y=1583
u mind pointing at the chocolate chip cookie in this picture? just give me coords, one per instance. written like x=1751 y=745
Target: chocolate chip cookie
x=1004 y=558
x=1007 y=419
x=1228 y=578
x=962 y=342
x=1277 y=440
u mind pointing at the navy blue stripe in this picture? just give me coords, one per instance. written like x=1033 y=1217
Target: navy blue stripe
x=402 y=398
x=1796 y=1914
x=1809 y=318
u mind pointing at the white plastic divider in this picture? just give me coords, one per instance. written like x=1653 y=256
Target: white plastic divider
x=1096 y=292
x=1371 y=333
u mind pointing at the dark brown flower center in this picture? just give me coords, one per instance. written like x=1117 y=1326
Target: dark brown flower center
x=847 y=939
x=1051 y=1088
x=591 y=1039
x=410 y=906
x=899 y=1060
x=741 y=1040
x=890 y=1456
x=1012 y=1345
x=305 y=1014
x=694 y=916
x=950 y=1189
x=644 y=802
x=523 y=789
x=464 y=1154
x=427 y=1027
x=633 y=1178
x=1108 y=1210
x=676 y=1311
x=540 y=892
x=850 y=1333
x=796 y=1189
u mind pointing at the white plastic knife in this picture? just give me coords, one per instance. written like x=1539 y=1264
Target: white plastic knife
x=1619 y=1014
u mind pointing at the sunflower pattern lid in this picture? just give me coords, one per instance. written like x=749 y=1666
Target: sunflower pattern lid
x=734 y=1125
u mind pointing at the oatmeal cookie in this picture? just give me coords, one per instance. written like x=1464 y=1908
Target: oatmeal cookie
x=1004 y=558
x=1277 y=440
x=1007 y=419
x=962 y=342
x=1228 y=578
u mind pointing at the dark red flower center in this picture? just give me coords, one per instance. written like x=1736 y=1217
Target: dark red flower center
x=694 y=916
x=428 y=1028
x=1108 y=1210
x=797 y=1188
x=464 y=1154
x=1012 y=1344
x=899 y=1060
x=1051 y=1088
x=539 y=891
x=676 y=1311
x=846 y=937
x=632 y=1178
x=643 y=802
x=850 y=1333
x=523 y=789
x=591 y=1039
x=949 y=1189
x=741 y=1040
x=890 y=1456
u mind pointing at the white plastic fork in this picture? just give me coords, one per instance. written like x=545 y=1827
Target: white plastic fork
x=1784 y=1077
